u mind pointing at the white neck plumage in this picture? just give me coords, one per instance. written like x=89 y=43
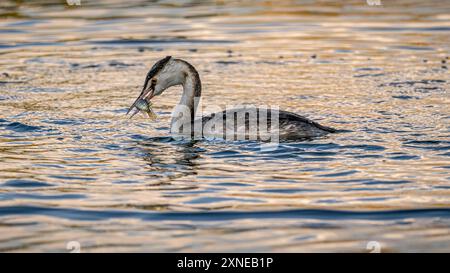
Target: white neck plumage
x=184 y=112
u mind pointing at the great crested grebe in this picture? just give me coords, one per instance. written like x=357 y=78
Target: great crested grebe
x=169 y=72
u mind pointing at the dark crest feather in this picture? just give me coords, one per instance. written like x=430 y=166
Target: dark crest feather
x=155 y=69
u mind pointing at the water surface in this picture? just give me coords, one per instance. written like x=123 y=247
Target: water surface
x=73 y=168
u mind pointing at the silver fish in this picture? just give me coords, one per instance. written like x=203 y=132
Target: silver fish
x=143 y=105
x=146 y=107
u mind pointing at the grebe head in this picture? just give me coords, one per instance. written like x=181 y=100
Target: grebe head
x=169 y=72
x=164 y=73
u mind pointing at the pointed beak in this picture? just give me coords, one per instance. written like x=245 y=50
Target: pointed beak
x=146 y=94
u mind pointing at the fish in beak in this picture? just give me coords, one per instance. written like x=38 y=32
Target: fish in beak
x=142 y=103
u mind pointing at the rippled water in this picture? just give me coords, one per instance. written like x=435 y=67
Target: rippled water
x=74 y=168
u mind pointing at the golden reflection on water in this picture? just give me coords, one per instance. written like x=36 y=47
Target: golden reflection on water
x=68 y=74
